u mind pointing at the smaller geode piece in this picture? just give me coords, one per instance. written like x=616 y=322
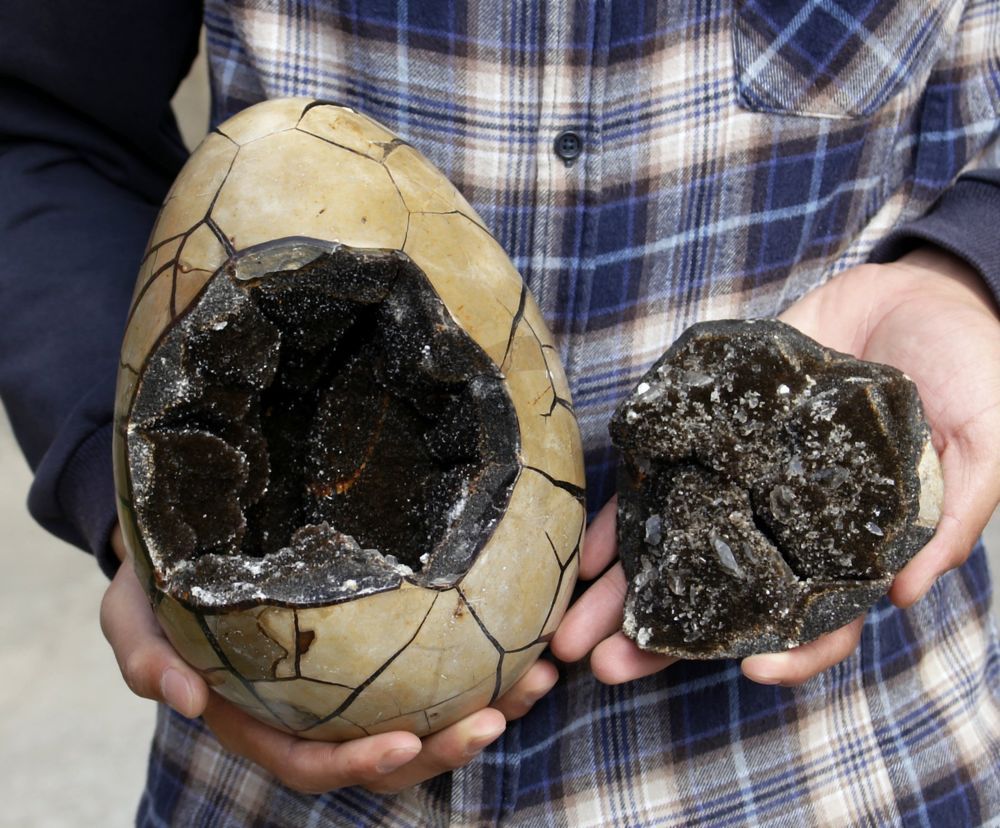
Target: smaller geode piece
x=770 y=490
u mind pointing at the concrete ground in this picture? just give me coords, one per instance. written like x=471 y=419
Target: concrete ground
x=73 y=740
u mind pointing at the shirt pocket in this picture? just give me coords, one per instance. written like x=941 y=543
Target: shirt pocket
x=836 y=58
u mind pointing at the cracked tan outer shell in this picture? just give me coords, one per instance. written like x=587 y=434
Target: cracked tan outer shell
x=412 y=658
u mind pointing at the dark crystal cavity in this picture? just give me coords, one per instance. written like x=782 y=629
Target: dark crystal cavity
x=315 y=421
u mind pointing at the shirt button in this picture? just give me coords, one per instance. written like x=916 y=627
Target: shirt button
x=568 y=146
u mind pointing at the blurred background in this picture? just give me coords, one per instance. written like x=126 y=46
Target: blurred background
x=73 y=740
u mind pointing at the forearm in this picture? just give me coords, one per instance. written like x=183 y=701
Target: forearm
x=88 y=147
x=71 y=241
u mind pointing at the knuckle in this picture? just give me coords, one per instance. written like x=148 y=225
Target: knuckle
x=301 y=772
x=300 y=781
x=134 y=670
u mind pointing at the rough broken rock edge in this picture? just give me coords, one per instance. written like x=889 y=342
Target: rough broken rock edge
x=821 y=609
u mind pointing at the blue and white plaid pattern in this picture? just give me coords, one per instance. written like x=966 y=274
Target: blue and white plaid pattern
x=734 y=157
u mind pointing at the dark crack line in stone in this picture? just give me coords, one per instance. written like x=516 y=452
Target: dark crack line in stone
x=542 y=639
x=437 y=703
x=318 y=102
x=173 y=277
x=158 y=245
x=223 y=240
x=499 y=648
x=552 y=603
x=153 y=277
x=206 y=219
x=247 y=684
x=218 y=131
x=518 y=314
x=556 y=399
x=479 y=621
x=346 y=703
x=218 y=190
x=332 y=143
x=274 y=667
x=572 y=488
x=362 y=728
x=559 y=584
x=456 y=212
x=389 y=147
x=270 y=134
x=304 y=712
x=399 y=192
x=298 y=653
x=541 y=347
x=555 y=552
x=579 y=541
x=286 y=679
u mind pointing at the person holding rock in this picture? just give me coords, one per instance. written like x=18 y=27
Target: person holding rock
x=645 y=167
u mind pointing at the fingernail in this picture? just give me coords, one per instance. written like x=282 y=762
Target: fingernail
x=765 y=669
x=396 y=758
x=176 y=690
x=483 y=738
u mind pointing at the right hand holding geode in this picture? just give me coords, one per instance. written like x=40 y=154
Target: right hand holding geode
x=930 y=316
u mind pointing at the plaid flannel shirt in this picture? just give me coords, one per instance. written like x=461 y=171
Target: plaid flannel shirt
x=733 y=157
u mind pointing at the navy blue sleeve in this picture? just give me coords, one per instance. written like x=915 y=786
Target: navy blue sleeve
x=88 y=148
x=964 y=221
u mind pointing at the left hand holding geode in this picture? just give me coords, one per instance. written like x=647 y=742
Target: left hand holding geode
x=382 y=763
x=928 y=315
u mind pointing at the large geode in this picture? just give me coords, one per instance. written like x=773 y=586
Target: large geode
x=770 y=489
x=347 y=465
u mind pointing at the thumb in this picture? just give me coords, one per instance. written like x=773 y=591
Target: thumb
x=148 y=663
x=971 y=492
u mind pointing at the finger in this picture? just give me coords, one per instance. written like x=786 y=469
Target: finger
x=802 y=663
x=970 y=496
x=307 y=766
x=521 y=697
x=617 y=659
x=148 y=663
x=595 y=615
x=944 y=551
x=446 y=750
x=600 y=547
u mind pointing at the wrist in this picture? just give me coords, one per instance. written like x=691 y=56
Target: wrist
x=934 y=267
